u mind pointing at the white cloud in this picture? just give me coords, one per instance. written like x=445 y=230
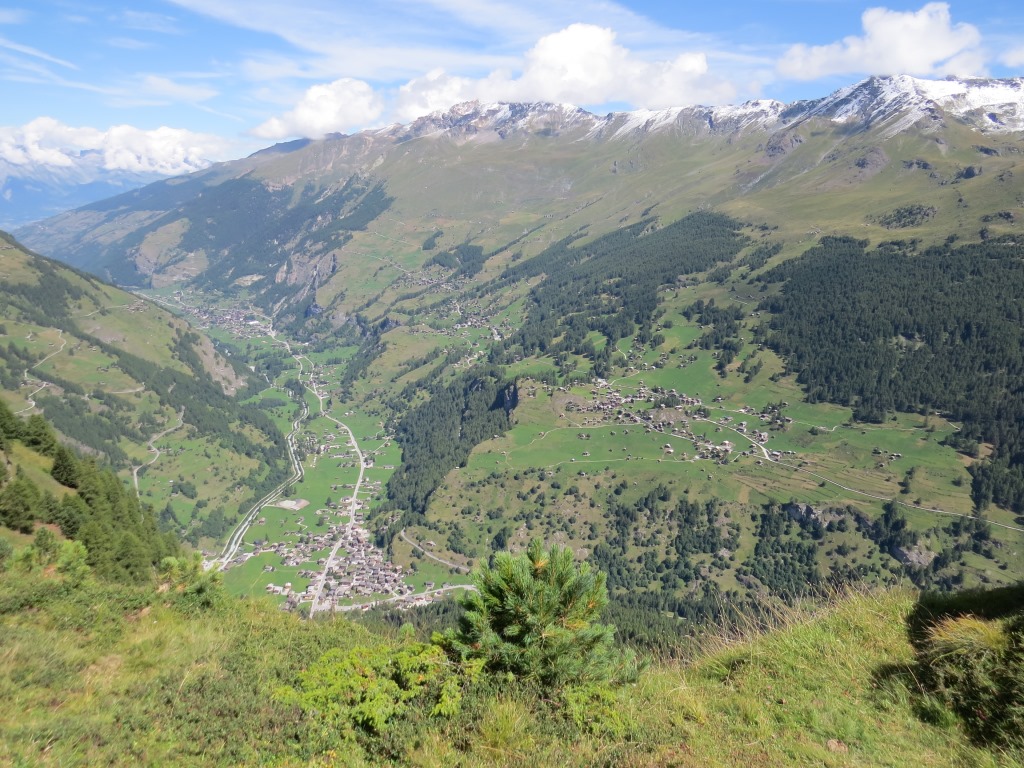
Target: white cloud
x=923 y=42
x=434 y=91
x=339 y=106
x=425 y=55
x=396 y=40
x=581 y=64
x=163 y=150
x=48 y=142
x=34 y=52
x=1014 y=57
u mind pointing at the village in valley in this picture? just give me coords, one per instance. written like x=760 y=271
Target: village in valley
x=361 y=572
x=675 y=414
x=322 y=556
x=312 y=549
x=360 y=575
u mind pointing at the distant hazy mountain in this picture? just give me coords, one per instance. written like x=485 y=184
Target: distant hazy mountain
x=32 y=191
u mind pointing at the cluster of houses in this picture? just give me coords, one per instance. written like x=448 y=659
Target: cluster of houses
x=361 y=572
x=358 y=570
x=241 y=323
x=672 y=418
x=887 y=457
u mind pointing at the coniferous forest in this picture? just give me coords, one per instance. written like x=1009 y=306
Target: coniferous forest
x=87 y=502
x=898 y=328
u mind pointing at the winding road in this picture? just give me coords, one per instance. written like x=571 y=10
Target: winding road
x=154 y=450
x=234 y=542
x=453 y=566
x=353 y=503
x=43 y=385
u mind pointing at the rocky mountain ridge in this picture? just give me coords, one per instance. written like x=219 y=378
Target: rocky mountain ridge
x=899 y=102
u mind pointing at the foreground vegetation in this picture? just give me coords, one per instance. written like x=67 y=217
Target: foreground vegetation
x=99 y=673
x=115 y=649
x=79 y=502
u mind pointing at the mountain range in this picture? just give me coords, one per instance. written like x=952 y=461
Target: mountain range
x=36 y=184
x=754 y=364
x=488 y=173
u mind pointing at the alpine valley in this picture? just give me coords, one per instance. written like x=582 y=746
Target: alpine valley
x=732 y=355
x=745 y=383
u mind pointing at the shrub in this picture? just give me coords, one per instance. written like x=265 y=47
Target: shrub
x=377 y=698
x=6 y=550
x=534 y=616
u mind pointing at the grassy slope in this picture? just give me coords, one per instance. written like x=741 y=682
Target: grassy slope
x=146 y=331
x=492 y=193
x=116 y=677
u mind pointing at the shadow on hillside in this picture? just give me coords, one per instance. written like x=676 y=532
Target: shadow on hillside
x=940 y=694
x=990 y=604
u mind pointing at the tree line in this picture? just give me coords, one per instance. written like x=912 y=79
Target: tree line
x=440 y=433
x=610 y=285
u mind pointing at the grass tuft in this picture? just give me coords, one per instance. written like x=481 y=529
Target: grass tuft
x=963 y=637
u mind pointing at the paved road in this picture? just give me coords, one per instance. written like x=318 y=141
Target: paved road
x=353 y=503
x=43 y=385
x=235 y=540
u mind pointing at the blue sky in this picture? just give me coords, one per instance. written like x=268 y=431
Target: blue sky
x=165 y=85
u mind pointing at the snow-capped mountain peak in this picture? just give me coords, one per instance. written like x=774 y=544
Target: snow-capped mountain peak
x=898 y=102
x=472 y=118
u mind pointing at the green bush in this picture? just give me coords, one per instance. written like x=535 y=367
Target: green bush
x=6 y=550
x=534 y=616
x=379 y=699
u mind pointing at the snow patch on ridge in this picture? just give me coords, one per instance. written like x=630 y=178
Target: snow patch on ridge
x=890 y=105
x=648 y=120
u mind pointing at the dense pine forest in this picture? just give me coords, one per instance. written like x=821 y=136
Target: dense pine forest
x=611 y=285
x=440 y=433
x=899 y=328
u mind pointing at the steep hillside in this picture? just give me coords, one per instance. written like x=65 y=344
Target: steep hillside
x=612 y=332
x=82 y=516
x=304 y=222
x=114 y=373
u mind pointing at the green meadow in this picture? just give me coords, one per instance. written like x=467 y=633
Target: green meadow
x=519 y=485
